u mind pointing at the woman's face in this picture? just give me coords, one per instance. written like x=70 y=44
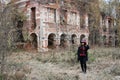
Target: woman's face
x=82 y=43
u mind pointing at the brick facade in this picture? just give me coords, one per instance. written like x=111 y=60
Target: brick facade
x=52 y=24
x=107 y=29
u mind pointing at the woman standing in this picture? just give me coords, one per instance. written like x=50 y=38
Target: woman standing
x=83 y=55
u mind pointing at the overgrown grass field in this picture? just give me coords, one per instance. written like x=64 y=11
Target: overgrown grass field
x=103 y=64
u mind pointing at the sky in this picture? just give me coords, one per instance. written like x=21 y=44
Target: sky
x=107 y=0
x=4 y=1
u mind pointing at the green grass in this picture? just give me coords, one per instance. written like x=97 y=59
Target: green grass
x=1 y=77
x=91 y=57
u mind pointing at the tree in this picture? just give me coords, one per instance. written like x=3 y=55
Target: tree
x=113 y=10
x=116 y=3
x=91 y=7
x=96 y=8
x=5 y=27
x=94 y=22
x=9 y=20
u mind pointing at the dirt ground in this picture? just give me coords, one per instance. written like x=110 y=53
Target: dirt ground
x=102 y=68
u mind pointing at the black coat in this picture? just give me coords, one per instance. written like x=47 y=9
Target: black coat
x=80 y=51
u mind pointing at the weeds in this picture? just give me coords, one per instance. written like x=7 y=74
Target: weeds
x=115 y=70
x=69 y=57
x=63 y=65
x=65 y=57
x=60 y=76
x=91 y=58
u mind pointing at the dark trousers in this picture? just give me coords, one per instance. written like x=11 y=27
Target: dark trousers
x=83 y=65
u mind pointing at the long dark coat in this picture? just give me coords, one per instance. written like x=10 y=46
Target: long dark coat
x=80 y=51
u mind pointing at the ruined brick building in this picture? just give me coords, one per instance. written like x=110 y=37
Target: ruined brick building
x=108 y=29
x=58 y=23
x=53 y=23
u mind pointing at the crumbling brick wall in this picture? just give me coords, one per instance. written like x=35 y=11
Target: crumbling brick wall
x=44 y=19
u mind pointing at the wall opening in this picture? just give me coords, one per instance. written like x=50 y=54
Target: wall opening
x=73 y=39
x=104 y=29
x=104 y=40
x=110 y=40
x=33 y=17
x=19 y=36
x=82 y=21
x=116 y=41
x=52 y=13
x=63 y=41
x=18 y=33
x=82 y=37
x=51 y=41
x=63 y=17
x=34 y=40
